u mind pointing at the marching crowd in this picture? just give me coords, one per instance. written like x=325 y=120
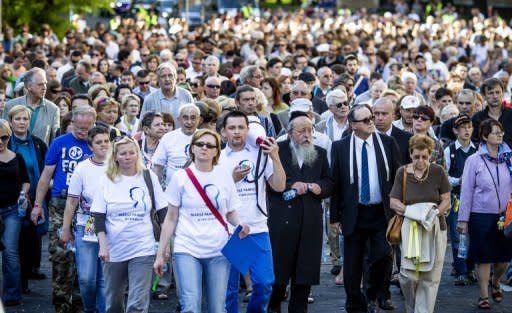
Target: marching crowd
x=143 y=152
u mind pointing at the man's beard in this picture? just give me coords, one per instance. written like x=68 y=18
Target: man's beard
x=305 y=151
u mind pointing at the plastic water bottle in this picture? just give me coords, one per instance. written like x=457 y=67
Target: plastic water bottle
x=69 y=245
x=289 y=194
x=463 y=246
x=22 y=212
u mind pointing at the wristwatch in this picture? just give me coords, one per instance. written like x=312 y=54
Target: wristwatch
x=310 y=187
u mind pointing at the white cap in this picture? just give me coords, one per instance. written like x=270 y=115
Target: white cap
x=301 y=105
x=286 y=71
x=410 y=102
x=322 y=48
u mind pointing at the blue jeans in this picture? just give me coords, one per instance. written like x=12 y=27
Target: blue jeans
x=262 y=278
x=10 y=257
x=190 y=273
x=90 y=273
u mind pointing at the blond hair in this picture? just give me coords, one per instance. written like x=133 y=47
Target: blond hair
x=17 y=109
x=113 y=171
x=4 y=125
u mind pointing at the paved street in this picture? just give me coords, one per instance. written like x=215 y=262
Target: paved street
x=328 y=297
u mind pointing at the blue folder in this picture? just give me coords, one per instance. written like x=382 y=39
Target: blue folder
x=242 y=253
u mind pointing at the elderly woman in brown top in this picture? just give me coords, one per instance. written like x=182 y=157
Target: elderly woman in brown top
x=426 y=184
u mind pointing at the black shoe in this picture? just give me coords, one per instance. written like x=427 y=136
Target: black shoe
x=160 y=295
x=372 y=308
x=386 y=305
x=36 y=275
x=26 y=290
x=12 y=303
x=178 y=307
x=335 y=270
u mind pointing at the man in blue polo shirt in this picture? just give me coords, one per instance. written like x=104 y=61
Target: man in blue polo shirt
x=64 y=154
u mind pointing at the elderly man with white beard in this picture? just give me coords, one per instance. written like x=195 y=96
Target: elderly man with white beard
x=295 y=217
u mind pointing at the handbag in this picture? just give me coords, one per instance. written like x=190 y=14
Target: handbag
x=394 y=230
x=508 y=219
x=206 y=200
x=155 y=221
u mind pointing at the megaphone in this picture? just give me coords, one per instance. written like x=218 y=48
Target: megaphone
x=257 y=134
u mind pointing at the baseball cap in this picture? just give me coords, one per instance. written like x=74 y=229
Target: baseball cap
x=461 y=119
x=410 y=102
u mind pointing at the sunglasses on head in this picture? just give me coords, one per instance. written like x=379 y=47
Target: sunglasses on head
x=367 y=120
x=201 y=144
x=422 y=117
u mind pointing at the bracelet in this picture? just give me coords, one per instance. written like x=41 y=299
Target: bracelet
x=37 y=205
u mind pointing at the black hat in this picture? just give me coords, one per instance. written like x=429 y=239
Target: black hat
x=296 y=114
x=307 y=77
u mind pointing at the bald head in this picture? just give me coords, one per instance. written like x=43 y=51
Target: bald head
x=384 y=112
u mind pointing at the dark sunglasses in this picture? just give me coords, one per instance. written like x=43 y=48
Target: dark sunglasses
x=201 y=144
x=422 y=117
x=4 y=138
x=367 y=120
x=340 y=104
x=144 y=83
x=213 y=86
x=194 y=85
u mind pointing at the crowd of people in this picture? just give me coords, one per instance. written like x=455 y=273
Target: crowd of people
x=141 y=150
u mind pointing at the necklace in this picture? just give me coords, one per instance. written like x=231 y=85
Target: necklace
x=425 y=175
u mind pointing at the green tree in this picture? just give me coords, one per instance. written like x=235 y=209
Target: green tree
x=53 y=12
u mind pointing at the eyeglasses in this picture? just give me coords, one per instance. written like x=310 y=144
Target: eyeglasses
x=340 y=104
x=499 y=134
x=194 y=85
x=421 y=117
x=213 y=86
x=464 y=103
x=367 y=120
x=300 y=93
x=144 y=83
x=144 y=55
x=4 y=138
x=201 y=144
x=179 y=60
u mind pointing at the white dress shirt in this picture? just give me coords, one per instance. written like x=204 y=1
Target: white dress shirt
x=375 y=194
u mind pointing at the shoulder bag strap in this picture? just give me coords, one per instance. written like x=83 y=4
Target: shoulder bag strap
x=404 y=184
x=206 y=200
x=149 y=184
x=494 y=183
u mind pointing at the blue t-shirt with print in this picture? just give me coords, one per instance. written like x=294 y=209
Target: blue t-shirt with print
x=65 y=153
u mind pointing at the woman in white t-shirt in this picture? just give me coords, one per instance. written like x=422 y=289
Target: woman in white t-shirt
x=121 y=210
x=199 y=236
x=82 y=187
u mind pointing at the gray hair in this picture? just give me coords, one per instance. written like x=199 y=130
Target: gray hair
x=166 y=65
x=469 y=93
x=247 y=72
x=83 y=110
x=189 y=107
x=336 y=93
x=29 y=75
x=409 y=75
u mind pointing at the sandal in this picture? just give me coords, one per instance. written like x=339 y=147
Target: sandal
x=483 y=304
x=497 y=293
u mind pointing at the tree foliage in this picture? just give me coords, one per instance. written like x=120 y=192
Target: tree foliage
x=53 y=12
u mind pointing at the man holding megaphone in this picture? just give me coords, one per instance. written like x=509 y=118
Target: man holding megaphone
x=253 y=158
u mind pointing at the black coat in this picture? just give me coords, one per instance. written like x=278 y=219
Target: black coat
x=295 y=226
x=402 y=139
x=345 y=196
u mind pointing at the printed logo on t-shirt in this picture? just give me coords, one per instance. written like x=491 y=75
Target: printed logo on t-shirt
x=213 y=193
x=137 y=195
x=75 y=153
x=250 y=178
x=70 y=159
x=187 y=146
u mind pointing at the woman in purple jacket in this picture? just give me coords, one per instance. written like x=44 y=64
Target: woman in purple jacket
x=486 y=186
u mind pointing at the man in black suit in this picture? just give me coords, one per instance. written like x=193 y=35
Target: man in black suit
x=384 y=112
x=295 y=225
x=363 y=171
